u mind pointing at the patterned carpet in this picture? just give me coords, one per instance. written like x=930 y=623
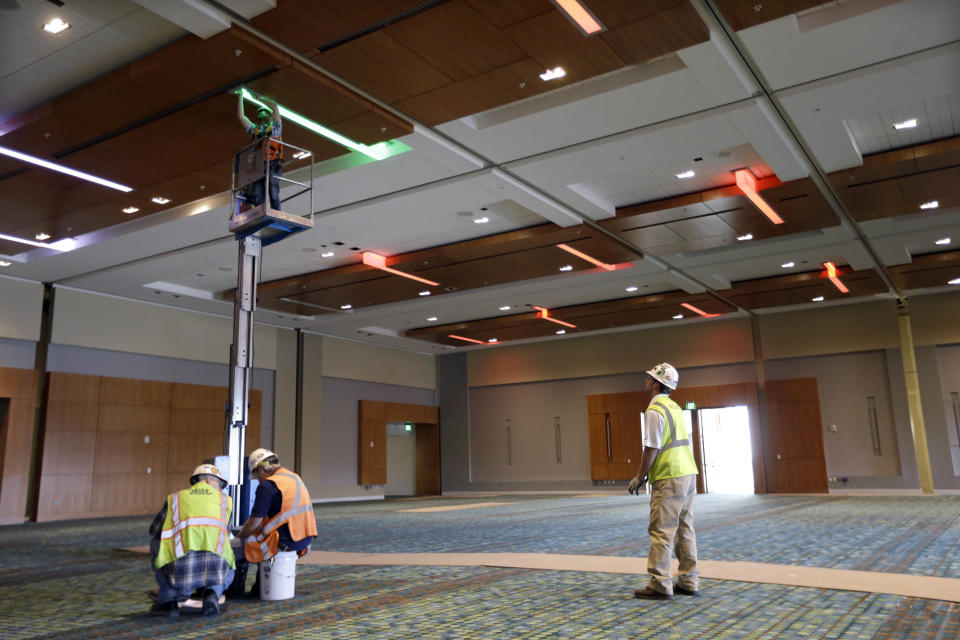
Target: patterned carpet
x=67 y=580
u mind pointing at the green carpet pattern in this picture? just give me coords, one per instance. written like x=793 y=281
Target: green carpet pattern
x=68 y=580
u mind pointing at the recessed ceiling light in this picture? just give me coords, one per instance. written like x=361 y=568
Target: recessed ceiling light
x=748 y=236
x=505 y=307
x=678 y=316
x=787 y=265
x=160 y=200
x=432 y=319
x=4 y=263
x=560 y=332
x=943 y=241
x=686 y=174
x=954 y=281
x=483 y=220
x=299 y=155
x=631 y=289
x=56 y=26
x=817 y=299
x=906 y=124
x=424 y=293
x=345 y=307
x=553 y=74
x=42 y=236
x=62 y=169
x=931 y=204
x=588 y=258
x=566 y=267
x=326 y=254
x=131 y=209
x=492 y=340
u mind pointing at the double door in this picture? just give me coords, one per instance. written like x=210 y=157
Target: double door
x=616 y=434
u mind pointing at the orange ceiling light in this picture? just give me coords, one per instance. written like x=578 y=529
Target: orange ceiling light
x=378 y=261
x=466 y=339
x=590 y=259
x=833 y=274
x=700 y=312
x=748 y=184
x=578 y=13
x=545 y=315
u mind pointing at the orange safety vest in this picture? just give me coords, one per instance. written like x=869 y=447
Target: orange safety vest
x=274 y=148
x=296 y=511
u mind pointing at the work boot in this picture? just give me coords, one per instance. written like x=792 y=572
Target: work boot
x=649 y=594
x=168 y=609
x=211 y=603
x=685 y=592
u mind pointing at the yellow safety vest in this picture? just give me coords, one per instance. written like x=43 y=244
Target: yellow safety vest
x=676 y=456
x=196 y=521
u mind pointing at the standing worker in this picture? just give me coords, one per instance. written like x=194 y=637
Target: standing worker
x=668 y=463
x=269 y=127
x=281 y=518
x=191 y=545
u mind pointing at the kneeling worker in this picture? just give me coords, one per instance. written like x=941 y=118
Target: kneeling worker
x=193 y=547
x=281 y=518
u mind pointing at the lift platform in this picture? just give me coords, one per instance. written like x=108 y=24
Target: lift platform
x=256 y=223
x=252 y=172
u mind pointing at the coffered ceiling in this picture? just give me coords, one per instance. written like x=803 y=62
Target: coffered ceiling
x=492 y=169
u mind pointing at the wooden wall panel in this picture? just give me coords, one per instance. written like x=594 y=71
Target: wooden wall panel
x=142 y=419
x=96 y=457
x=65 y=496
x=372 y=443
x=16 y=441
x=69 y=452
x=427 y=462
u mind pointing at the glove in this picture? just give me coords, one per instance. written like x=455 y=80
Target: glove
x=636 y=485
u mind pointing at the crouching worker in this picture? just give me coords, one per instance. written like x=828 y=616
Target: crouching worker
x=191 y=546
x=281 y=518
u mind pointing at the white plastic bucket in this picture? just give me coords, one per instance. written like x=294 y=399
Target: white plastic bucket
x=278 y=576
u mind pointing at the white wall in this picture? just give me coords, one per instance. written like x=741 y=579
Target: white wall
x=85 y=319
x=371 y=363
x=21 y=307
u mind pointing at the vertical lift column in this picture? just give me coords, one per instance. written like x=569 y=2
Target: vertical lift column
x=255 y=226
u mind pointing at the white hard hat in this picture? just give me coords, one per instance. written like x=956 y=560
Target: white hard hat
x=665 y=373
x=207 y=470
x=258 y=456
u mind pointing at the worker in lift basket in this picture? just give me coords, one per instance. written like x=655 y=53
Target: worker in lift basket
x=191 y=547
x=269 y=125
x=281 y=518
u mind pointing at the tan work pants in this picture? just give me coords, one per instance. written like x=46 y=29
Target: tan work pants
x=671 y=520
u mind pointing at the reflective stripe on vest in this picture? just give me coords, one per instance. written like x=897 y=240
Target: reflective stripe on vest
x=675 y=457
x=264 y=544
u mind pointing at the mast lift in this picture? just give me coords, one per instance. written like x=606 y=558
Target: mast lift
x=254 y=226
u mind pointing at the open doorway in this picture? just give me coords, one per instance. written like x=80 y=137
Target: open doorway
x=401 y=459
x=727 y=450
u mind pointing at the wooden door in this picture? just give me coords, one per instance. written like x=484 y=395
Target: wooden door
x=626 y=444
x=372 y=443
x=796 y=436
x=427 y=459
x=599 y=462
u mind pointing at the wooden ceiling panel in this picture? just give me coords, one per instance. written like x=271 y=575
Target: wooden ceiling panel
x=658 y=34
x=480 y=93
x=382 y=66
x=801 y=288
x=302 y=94
x=932 y=270
x=456 y=39
x=503 y=13
x=307 y=24
x=615 y=13
x=741 y=14
x=703 y=227
x=552 y=41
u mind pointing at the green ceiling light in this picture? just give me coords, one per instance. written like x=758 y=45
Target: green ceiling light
x=379 y=151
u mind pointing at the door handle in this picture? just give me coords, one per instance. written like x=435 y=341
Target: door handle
x=609 y=447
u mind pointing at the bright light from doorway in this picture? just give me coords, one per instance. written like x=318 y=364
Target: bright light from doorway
x=727 y=450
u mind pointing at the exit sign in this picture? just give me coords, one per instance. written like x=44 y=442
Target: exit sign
x=691 y=406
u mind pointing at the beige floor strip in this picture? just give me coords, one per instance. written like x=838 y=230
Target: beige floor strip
x=898 y=584
x=452 y=507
